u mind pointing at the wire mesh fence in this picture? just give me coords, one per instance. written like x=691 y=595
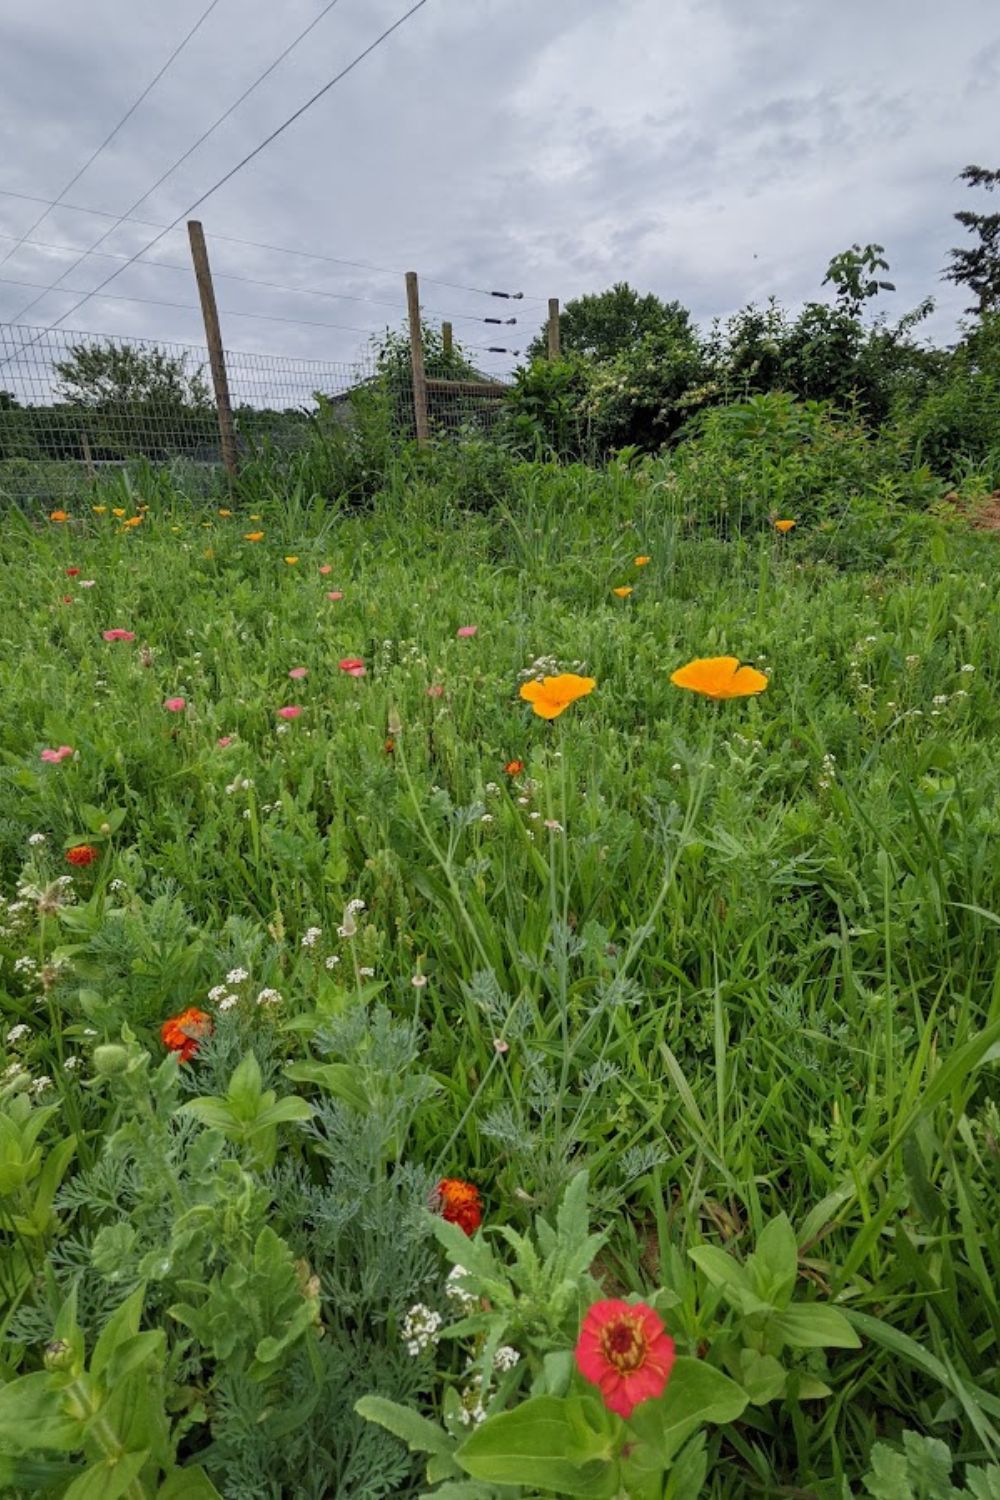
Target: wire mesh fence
x=73 y=403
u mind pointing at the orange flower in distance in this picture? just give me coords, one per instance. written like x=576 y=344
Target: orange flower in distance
x=253 y=536
x=554 y=694
x=514 y=767
x=783 y=526
x=59 y=515
x=82 y=854
x=459 y=1203
x=641 y=562
x=132 y=521
x=624 y=1350
x=719 y=677
x=225 y=513
x=118 y=510
x=624 y=591
x=182 y=1033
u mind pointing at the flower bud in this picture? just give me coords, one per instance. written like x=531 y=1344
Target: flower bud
x=109 y=1059
x=58 y=1355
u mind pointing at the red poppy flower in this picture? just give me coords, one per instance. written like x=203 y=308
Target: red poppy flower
x=183 y=1032
x=459 y=1202
x=82 y=854
x=352 y=665
x=624 y=1350
x=514 y=767
x=72 y=572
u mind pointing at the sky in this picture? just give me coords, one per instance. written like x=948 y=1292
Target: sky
x=713 y=151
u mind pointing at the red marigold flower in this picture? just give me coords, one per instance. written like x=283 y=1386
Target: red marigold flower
x=624 y=1350
x=82 y=854
x=459 y=1203
x=183 y=1032
x=514 y=767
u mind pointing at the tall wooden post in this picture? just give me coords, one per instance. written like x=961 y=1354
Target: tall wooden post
x=553 y=328
x=447 y=340
x=216 y=354
x=417 y=358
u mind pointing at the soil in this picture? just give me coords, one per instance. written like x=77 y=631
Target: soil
x=982 y=515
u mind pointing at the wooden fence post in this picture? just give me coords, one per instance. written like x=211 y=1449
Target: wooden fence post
x=553 y=328
x=216 y=354
x=417 y=358
x=447 y=341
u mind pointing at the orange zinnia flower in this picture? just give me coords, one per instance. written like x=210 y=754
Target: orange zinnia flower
x=624 y=591
x=624 y=1350
x=641 y=562
x=553 y=694
x=182 y=1033
x=253 y=536
x=459 y=1203
x=783 y=526
x=514 y=767
x=82 y=854
x=719 y=677
x=59 y=515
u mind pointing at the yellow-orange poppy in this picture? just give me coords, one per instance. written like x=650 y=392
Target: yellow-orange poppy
x=225 y=512
x=291 y=560
x=99 y=510
x=118 y=510
x=253 y=536
x=641 y=562
x=623 y=592
x=719 y=677
x=783 y=526
x=554 y=694
x=59 y=515
x=132 y=521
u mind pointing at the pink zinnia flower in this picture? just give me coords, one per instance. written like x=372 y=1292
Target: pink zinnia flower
x=298 y=673
x=291 y=712
x=175 y=705
x=87 y=583
x=466 y=630
x=118 y=635
x=224 y=741
x=54 y=757
x=353 y=666
x=335 y=594
x=436 y=690
x=624 y=1350
x=325 y=568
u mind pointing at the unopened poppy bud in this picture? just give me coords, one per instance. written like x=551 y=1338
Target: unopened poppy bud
x=105 y=828
x=109 y=1059
x=395 y=722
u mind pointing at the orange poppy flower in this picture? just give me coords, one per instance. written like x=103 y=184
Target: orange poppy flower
x=719 y=677
x=554 y=694
x=59 y=515
x=514 y=767
x=132 y=521
x=783 y=526
x=118 y=510
x=182 y=1033
x=459 y=1203
x=253 y=536
x=641 y=562
x=623 y=592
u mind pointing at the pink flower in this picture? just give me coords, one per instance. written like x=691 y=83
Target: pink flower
x=326 y=568
x=175 y=705
x=436 y=690
x=335 y=595
x=352 y=665
x=87 y=583
x=291 y=712
x=297 y=673
x=464 y=631
x=224 y=741
x=118 y=635
x=54 y=757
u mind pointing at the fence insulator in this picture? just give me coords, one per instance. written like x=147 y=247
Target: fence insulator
x=492 y=349
x=513 y=296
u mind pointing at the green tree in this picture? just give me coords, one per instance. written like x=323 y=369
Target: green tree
x=978 y=267
x=854 y=275
x=605 y=324
x=103 y=375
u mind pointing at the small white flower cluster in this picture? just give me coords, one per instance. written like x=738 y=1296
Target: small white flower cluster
x=13 y=1070
x=72 y=1063
x=366 y=973
x=547 y=666
x=116 y=885
x=332 y=961
x=418 y=981
x=553 y=825
x=311 y=937
x=269 y=997
x=486 y=818
x=237 y=976
x=239 y=786
x=34 y=839
x=505 y=1358
x=912 y=661
x=267 y=807
x=968 y=667
x=26 y=966
x=828 y=772
x=349 y=927
x=17 y=1033
x=420 y=1329
x=491 y=789
x=473 y=1411
x=41 y=1084
x=456 y=1293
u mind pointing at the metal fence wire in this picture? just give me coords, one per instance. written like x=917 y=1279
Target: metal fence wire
x=72 y=403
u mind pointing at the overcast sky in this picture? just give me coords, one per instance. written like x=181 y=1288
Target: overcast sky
x=716 y=151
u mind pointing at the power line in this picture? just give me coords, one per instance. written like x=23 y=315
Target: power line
x=191 y=149
x=121 y=123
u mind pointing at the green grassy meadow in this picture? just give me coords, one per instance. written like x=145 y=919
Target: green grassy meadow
x=735 y=959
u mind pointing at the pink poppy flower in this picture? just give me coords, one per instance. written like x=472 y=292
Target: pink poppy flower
x=54 y=757
x=335 y=595
x=224 y=741
x=292 y=711
x=325 y=568
x=118 y=635
x=436 y=690
x=464 y=631
x=175 y=705
x=297 y=673
x=353 y=666
x=87 y=583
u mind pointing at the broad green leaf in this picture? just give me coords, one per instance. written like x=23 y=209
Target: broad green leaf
x=419 y=1435
x=108 y=1480
x=188 y=1484
x=215 y=1113
x=814 y=1325
x=122 y=1325
x=696 y=1393
x=339 y=1079
x=31 y=1416
x=774 y=1264
x=686 y=1480
x=134 y=1353
x=244 y=1088
x=761 y=1376
x=282 y=1112
x=729 y=1276
x=572 y=1219
x=545 y=1443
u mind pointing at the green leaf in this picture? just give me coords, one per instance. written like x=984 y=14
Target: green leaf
x=761 y=1376
x=188 y=1484
x=729 y=1276
x=774 y=1265
x=696 y=1393
x=813 y=1325
x=282 y=1112
x=108 y=1480
x=545 y=1443
x=572 y=1219
x=686 y=1480
x=419 y=1435
x=31 y=1416
x=244 y=1088
x=133 y=1354
x=212 y=1112
x=339 y=1079
x=122 y=1325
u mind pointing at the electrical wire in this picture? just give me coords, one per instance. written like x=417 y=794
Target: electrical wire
x=121 y=123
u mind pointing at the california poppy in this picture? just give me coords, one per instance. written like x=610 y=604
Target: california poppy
x=624 y=1350
x=783 y=526
x=225 y=513
x=99 y=510
x=623 y=591
x=82 y=854
x=641 y=562
x=459 y=1203
x=118 y=510
x=554 y=694
x=291 y=560
x=59 y=515
x=182 y=1033
x=719 y=677
x=253 y=536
